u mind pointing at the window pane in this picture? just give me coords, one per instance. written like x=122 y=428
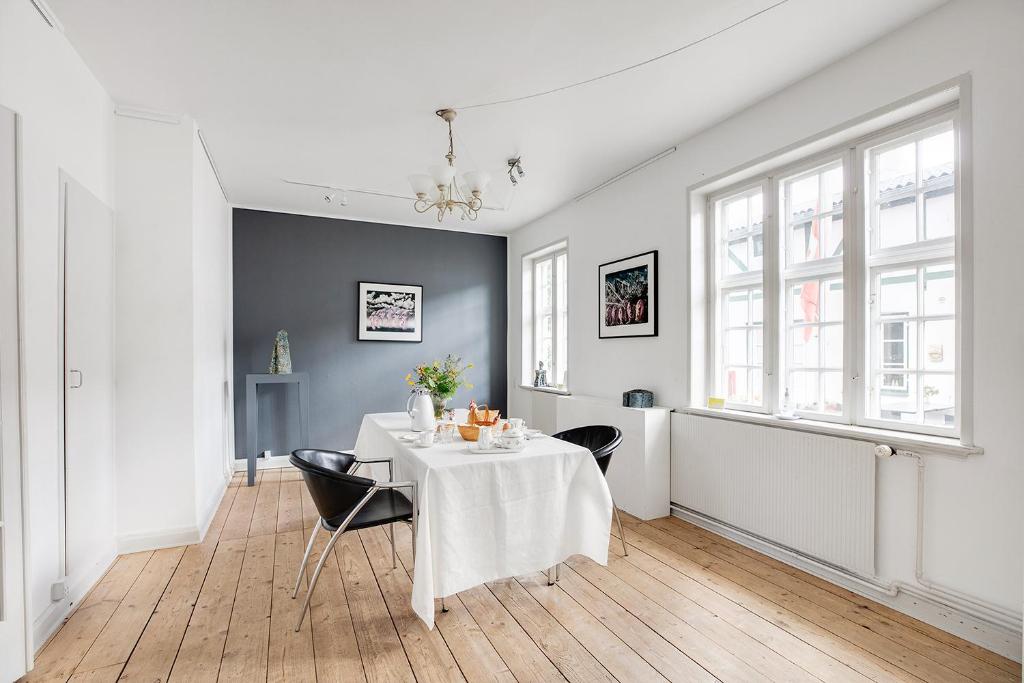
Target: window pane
x=754 y=381
x=898 y=292
x=832 y=346
x=812 y=205
x=742 y=346
x=737 y=308
x=736 y=385
x=735 y=216
x=562 y=310
x=896 y=397
x=736 y=258
x=897 y=222
x=939 y=214
x=938 y=400
x=939 y=290
x=803 y=390
x=939 y=344
x=832 y=300
x=897 y=169
x=833 y=394
x=740 y=224
x=913 y=188
x=542 y=278
x=736 y=347
x=804 y=345
x=832 y=229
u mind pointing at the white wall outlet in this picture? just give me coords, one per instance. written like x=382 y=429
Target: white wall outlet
x=58 y=591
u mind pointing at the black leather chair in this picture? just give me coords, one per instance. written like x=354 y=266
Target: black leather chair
x=348 y=502
x=602 y=440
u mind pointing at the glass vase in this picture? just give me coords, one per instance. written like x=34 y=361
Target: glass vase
x=440 y=403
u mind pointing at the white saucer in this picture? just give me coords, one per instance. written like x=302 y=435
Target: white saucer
x=408 y=437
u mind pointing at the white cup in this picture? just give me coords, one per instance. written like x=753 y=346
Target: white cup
x=426 y=438
x=517 y=423
x=510 y=440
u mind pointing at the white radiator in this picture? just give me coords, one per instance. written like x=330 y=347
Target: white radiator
x=811 y=493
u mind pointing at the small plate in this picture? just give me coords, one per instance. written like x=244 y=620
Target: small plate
x=408 y=437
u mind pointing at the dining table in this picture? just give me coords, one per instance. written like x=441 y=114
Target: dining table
x=489 y=516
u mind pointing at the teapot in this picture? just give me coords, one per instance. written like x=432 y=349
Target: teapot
x=421 y=410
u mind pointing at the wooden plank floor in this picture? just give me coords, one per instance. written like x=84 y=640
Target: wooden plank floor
x=684 y=605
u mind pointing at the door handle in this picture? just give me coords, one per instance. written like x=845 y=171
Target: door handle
x=72 y=384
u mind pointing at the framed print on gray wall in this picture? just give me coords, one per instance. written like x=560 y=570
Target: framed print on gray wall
x=629 y=297
x=390 y=312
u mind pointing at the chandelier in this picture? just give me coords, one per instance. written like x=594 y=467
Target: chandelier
x=441 y=191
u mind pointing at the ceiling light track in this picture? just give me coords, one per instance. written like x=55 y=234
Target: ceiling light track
x=624 y=69
x=376 y=193
x=628 y=172
x=47 y=14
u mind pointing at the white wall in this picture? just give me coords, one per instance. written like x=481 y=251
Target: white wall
x=973 y=537
x=155 y=466
x=212 y=335
x=67 y=124
x=174 y=326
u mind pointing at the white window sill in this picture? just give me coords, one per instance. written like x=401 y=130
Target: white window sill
x=918 y=443
x=546 y=390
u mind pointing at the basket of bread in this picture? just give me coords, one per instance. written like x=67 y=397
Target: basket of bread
x=479 y=417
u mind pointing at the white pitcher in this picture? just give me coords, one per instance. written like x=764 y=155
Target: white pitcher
x=421 y=410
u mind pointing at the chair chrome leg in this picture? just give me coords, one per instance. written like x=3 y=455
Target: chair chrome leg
x=622 y=536
x=316 y=575
x=443 y=608
x=558 y=571
x=394 y=555
x=415 y=519
x=305 y=558
x=551 y=576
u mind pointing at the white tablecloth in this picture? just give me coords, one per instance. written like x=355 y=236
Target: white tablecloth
x=487 y=517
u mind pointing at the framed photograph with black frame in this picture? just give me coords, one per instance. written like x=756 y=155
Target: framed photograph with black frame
x=629 y=297
x=389 y=312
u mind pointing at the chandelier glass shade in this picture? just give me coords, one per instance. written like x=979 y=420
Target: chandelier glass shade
x=443 y=190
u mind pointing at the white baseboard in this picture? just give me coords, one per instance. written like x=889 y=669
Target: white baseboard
x=154 y=540
x=914 y=602
x=274 y=462
x=211 y=509
x=53 y=616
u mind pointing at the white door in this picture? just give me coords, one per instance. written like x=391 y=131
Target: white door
x=14 y=650
x=89 y=484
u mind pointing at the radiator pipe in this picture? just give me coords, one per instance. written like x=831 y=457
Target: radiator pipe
x=996 y=613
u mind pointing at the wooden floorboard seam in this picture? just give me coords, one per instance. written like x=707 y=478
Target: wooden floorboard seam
x=605 y=622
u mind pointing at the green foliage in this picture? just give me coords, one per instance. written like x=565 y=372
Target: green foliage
x=441 y=378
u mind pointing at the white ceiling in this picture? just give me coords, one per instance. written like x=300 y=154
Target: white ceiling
x=343 y=93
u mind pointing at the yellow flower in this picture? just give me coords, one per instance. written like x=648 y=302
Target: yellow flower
x=469 y=386
x=408 y=377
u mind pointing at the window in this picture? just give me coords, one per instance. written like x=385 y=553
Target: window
x=832 y=283
x=546 y=317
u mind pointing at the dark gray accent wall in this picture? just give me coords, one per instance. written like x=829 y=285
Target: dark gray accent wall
x=301 y=274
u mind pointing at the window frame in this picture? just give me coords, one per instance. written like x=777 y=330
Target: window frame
x=532 y=315
x=718 y=283
x=858 y=262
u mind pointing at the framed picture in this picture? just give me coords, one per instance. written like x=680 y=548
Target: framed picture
x=390 y=312
x=629 y=297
